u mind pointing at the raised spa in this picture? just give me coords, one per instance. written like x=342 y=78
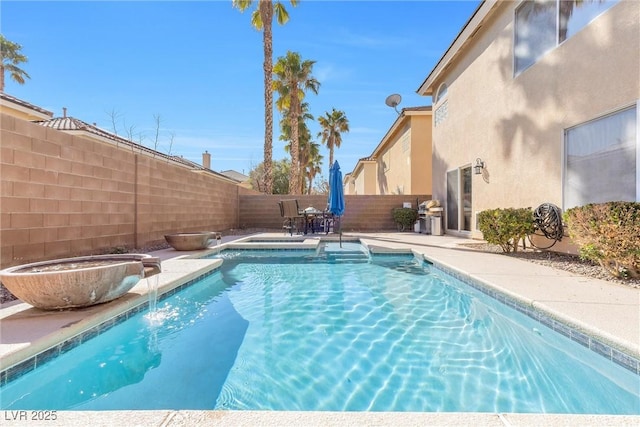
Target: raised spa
x=191 y=241
x=78 y=282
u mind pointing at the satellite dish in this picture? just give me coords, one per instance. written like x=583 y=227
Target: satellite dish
x=393 y=101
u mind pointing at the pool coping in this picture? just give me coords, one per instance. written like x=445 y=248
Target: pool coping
x=176 y=276
x=170 y=418
x=608 y=346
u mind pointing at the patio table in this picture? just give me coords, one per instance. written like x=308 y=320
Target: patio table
x=312 y=219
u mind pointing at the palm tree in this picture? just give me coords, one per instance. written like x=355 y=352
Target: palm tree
x=312 y=162
x=304 y=137
x=292 y=78
x=333 y=124
x=262 y=20
x=10 y=59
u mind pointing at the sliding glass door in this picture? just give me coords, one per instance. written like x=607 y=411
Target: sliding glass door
x=459 y=198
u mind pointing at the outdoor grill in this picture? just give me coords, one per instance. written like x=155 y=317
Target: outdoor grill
x=430 y=217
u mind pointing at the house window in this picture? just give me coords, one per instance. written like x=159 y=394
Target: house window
x=442 y=92
x=406 y=141
x=535 y=32
x=602 y=160
x=540 y=25
x=441 y=113
x=575 y=15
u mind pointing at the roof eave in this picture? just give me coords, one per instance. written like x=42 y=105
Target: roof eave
x=468 y=31
x=37 y=113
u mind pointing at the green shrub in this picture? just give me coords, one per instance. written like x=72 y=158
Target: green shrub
x=506 y=227
x=405 y=218
x=608 y=234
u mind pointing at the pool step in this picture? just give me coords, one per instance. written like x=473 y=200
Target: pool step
x=347 y=257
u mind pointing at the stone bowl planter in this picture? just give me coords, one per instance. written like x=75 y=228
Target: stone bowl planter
x=78 y=282
x=191 y=241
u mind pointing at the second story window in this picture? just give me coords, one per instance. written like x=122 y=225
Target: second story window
x=540 y=25
x=442 y=93
x=442 y=110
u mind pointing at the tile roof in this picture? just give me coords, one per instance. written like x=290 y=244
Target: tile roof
x=368 y=159
x=421 y=108
x=235 y=175
x=73 y=124
x=25 y=104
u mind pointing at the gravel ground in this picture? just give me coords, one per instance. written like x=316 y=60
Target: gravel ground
x=571 y=263
x=567 y=262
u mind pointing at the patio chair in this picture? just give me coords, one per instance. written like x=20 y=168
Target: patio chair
x=290 y=211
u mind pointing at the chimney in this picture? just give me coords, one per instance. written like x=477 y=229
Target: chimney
x=64 y=112
x=206 y=160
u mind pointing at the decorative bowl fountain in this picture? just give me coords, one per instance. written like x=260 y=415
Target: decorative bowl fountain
x=191 y=241
x=79 y=281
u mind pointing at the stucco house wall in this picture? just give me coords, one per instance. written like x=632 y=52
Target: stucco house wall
x=401 y=163
x=363 y=178
x=516 y=123
x=420 y=155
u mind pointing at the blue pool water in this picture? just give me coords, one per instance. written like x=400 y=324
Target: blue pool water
x=279 y=330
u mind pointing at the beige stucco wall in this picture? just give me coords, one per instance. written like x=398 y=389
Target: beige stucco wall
x=394 y=163
x=364 y=178
x=401 y=163
x=516 y=124
x=421 y=159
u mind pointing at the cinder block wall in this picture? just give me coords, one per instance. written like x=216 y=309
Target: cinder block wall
x=64 y=195
x=362 y=213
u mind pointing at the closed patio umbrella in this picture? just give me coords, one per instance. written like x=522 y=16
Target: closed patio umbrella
x=336 y=193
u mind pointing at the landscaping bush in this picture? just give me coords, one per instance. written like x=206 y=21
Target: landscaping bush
x=405 y=218
x=506 y=227
x=608 y=234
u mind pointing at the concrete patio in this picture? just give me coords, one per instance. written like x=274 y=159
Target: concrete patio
x=606 y=311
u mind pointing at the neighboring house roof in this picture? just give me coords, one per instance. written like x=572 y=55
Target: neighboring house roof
x=360 y=164
x=24 y=107
x=367 y=159
x=422 y=108
x=468 y=32
x=235 y=175
x=71 y=124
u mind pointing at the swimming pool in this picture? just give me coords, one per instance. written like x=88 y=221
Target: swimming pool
x=339 y=330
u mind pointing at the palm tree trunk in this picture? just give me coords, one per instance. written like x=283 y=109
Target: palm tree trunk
x=266 y=14
x=331 y=155
x=294 y=177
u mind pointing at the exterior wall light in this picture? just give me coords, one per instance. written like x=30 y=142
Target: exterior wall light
x=477 y=169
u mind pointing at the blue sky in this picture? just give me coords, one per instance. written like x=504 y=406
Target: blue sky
x=198 y=66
